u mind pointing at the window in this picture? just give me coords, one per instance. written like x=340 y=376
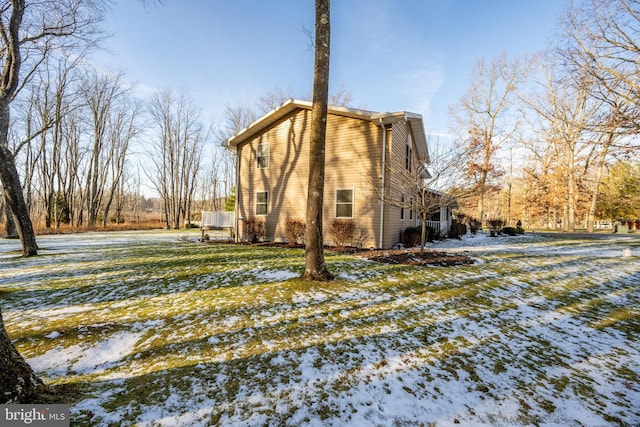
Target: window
x=408 y=153
x=262 y=197
x=411 y=208
x=402 y=208
x=262 y=156
x=344 y=203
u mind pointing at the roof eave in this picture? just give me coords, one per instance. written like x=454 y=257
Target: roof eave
x=420 y=137
x=266 y=120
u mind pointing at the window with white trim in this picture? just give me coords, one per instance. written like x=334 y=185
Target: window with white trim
x=262 y=201
x=262 y=155
x=344 y=203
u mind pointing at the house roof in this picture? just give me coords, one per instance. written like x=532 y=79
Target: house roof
x=414 y=120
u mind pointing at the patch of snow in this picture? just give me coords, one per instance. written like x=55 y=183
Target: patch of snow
x=85 y=359
x=266 y=275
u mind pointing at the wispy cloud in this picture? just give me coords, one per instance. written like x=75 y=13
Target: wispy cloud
x=401 y=56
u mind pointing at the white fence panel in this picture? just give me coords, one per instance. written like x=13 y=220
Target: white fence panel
x=218 y=219
x=435 y=225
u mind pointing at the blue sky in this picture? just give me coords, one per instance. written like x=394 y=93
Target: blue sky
x=414 y=55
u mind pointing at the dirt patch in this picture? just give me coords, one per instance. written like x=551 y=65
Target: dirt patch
x=414 y=257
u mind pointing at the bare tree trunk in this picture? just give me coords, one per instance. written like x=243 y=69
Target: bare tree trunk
x=177 y=153
x=13 y=189
x=10 y=230
x=571 y=195
x=315 y=268
x=18 y=382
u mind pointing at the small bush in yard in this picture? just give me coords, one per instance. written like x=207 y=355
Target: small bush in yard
x=411 y=236
x=509 y=231
x=495 y=226
x=342 y=232
x=346 y=233
x=474 y=225
x=255 y=230
x=359 y=237
x=457 y=230
x=294 y=231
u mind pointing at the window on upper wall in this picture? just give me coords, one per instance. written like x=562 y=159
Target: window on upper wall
x=262 y=199
x=402 y=208
x=344 y=203
x=408 y=153
x=411 y=208
x=262 y=156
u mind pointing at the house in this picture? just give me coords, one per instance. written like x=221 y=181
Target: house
x=367 y=155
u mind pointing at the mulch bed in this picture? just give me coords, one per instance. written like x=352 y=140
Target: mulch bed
x=388 y=256
x=414 y=257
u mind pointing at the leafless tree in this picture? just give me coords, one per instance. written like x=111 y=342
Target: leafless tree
x=53 y=97
x=273 y=98
x=123 y=125
x=218 y=179
x=566 y=108
x=176 y=153
x=72 y=166
x=104 y=95
x=341 y=98
x=424 y=188
x=602 y=43
x=483 y=113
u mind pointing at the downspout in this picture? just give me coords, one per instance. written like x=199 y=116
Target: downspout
x=237 y=227
x=384 y=167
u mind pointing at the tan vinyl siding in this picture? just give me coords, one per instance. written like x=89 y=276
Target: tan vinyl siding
x=353 y=153
x=285 y=178
x=353 y=161
x=396 y=179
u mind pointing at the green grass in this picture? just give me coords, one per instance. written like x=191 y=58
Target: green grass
x=216 y=326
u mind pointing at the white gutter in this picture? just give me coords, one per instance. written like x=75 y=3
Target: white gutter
x=384 y=167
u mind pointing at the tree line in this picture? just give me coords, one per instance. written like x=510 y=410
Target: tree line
x=552 y=139
x=84 y=145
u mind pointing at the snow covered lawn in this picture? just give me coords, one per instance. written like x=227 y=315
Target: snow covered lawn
x=153 y=330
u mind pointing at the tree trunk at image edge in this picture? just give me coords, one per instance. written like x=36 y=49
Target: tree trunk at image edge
x=13 y=190
x=315 y=268
x=18 y=382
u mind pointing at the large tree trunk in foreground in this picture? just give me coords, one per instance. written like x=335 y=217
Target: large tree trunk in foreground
x=18 y=382
x=315 y=268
